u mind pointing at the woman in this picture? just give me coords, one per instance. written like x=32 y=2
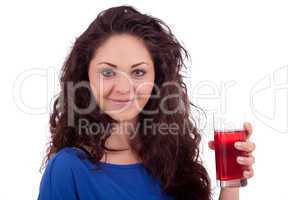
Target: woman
x=121 y=126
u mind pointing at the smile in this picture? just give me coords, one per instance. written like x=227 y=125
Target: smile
x=120 y=102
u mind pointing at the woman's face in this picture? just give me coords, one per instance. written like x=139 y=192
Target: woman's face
x=121 y=75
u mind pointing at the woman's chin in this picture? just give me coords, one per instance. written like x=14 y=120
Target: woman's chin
x=122 y=116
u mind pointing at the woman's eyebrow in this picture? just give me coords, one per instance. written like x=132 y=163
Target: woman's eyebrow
x=115 y=66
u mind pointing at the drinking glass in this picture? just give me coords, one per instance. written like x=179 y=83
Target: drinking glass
x=227 y=131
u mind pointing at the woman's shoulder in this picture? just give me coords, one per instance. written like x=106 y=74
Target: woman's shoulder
x=66 y=155
x=65 y=160
x=59 y=177
x=64 y=166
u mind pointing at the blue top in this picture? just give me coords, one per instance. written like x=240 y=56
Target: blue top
x=70 y=177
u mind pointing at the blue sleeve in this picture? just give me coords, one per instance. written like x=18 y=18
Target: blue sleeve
x=57 y=182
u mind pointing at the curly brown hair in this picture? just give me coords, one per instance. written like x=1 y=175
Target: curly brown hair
x=172 y=158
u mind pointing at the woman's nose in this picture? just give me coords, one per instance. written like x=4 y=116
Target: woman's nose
x=123 y=84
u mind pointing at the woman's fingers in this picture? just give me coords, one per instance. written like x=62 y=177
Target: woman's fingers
x=249 y=130
x=250 y=160
x=211 y=144
x=248 y=173
x=247 y=146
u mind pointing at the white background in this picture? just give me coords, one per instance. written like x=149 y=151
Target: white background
x=253 y=45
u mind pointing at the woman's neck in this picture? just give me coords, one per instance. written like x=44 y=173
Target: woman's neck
x=121 y=134
x=119 y=139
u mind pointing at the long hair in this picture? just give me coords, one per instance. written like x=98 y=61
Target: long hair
x=171 y=158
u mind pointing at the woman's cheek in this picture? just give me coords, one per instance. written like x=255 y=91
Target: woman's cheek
x=144 y=92
x=102 y=91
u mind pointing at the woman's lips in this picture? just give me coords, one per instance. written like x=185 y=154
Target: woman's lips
x=118 y=102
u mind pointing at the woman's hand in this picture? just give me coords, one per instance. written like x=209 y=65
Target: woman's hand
x=248 y=147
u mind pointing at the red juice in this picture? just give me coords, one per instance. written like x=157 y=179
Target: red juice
x=227 y=167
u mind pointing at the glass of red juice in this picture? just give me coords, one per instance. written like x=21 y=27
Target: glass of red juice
x=228 y=171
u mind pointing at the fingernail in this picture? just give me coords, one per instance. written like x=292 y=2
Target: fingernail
x=240 y=159
x=246 y=173
x=238 y=144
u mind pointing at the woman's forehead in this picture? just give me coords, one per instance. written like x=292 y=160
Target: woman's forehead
x=123 y=47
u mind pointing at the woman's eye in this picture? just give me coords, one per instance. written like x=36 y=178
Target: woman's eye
x=139 y=72
x=107 y=73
